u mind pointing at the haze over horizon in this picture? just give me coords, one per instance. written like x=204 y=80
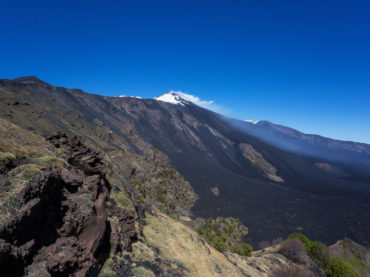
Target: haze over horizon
x=304 y=65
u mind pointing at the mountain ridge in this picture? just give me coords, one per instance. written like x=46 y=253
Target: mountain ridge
x=183 y=101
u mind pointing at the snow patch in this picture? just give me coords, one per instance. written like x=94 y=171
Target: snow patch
x=252 y=121
x=123 y=95
x=181 y=98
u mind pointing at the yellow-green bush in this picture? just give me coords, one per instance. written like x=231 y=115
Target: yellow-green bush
x=339 y=268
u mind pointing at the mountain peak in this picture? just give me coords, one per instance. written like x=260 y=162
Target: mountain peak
x=175 y=97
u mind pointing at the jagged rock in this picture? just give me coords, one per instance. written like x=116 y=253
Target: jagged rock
x=26 y=250
x=126 y=223
x=80 y=155
x=67 y=211
x=79 y=209
x=94 y=228
x=40 y=208
x=67 y=257
x=74 y=178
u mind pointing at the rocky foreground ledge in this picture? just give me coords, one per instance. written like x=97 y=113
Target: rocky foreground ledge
x=60 y=227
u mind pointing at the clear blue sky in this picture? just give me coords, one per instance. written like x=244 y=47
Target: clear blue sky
x=304 y=64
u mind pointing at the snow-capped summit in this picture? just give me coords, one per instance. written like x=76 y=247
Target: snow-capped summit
x=181 y=98
x=175 y=97
x=252 y=121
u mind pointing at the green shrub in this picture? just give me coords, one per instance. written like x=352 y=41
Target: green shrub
x=172 y=216
x=200 y=232
x=243 y=249
x=220 y=244
x=316 y=250
x=306 y=242
x=140 y=199
x=339 y=268
x=320 y=254
x=333 y=265
x=225 y=234
x=231 y=228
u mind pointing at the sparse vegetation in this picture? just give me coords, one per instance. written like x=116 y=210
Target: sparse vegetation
x=46 y=161
x=8 y=207
x=23 y=173
x=19 y=142
x=140 y=199
x=333 y=265
x=163 y=186
x=226 y=234
x=106 y=270
x=120 y=198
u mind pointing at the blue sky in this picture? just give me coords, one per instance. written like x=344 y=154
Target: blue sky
x=304 y=64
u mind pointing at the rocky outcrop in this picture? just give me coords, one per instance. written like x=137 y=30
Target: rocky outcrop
x=79 y=155
x=67 y=209
x=123 y=231
x=68 y=257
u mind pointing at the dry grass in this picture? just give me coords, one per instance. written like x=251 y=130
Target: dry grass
x=181 y=245
x=20 y=142
x=292 y=271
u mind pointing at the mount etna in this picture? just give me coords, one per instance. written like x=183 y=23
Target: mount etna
x=187 y=161
x=275 y=179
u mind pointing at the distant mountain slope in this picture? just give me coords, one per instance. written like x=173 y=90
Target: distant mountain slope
x=313 y=145
x=236 y=170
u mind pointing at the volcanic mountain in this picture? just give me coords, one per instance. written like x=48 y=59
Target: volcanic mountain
x=275 y=179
